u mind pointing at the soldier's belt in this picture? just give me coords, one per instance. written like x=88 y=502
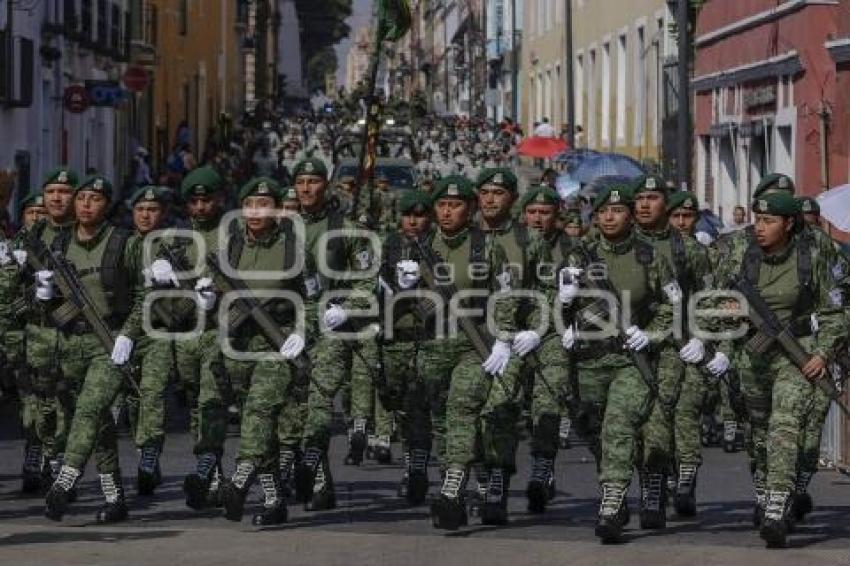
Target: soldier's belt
x=81 y=327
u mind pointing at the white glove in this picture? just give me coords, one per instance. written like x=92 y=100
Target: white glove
x=335 y=317
x=407 y=274
x=20 y=257
x=45 y=289
x=568 y=340
x=718 y=365
x=638 y=340
x=161 y=273
x=568 y=284
x=704 y=238
x=205 y=293
x=693 y=352
x=122 y=350
x=525 y=342
x=293 y=347
x=500 y=355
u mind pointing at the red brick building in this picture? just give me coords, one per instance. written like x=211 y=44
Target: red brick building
x=772 y=94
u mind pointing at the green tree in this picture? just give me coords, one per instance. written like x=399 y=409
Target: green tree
x=319 y=65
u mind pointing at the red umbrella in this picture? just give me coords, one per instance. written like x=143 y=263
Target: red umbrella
x=542 y=148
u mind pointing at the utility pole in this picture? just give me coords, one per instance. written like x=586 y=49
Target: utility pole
x=571 y=91
x=514 y=66
x=684 y=138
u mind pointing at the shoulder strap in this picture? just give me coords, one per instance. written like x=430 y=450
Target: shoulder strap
x=60 y=242
x=235 y=245
x=288 y=233
x=114 y=276
x=644 y=253
x=805 y=298
x=680 y=257
x=477 y=245
x=751 y=264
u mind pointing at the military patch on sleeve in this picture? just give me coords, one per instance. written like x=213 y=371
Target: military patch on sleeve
x=5 y=258
x=312 y=286
x=673 y=292
x=364 y=259
x=839 y=270
x=836 y=297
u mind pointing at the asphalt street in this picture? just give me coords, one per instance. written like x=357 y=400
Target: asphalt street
x=372 y=526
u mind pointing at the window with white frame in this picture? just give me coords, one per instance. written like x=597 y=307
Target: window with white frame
x=622 y=88
x=641 y=85
x=606 y=93
x=591 y=97
x=579 y=89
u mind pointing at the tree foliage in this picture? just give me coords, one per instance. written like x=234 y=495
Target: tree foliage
x=323 y=23
x=320 y=64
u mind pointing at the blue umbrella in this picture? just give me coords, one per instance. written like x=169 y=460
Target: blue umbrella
x=606 y=165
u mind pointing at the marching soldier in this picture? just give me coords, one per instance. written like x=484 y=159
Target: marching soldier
x=108 y=263
x=616 y=397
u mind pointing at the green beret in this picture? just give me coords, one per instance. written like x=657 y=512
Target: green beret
x=289 y=193
x=35 y=198
x=311 y=166
x=618 y=193
x=773 y=183
x=809 y=205
x=539 y=194
x=456 y=186
x=261 y=187
x=414 y=201
x=96 y=184
x=682 y=199
x=203 y=181
x=501 y=176
x=649 y=183
x=148 y=194
x=61 y=176
x=779 y=204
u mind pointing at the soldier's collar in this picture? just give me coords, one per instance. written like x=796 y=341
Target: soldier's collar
x=618 y=248
x=782 y=255
x=313 y=217
x=655 y=235
x=89 y=244
x=453 y=242
x=205 y=225
x=266 y=240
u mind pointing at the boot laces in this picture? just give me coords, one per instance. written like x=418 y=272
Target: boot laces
x=652 y=491
x=496 y=486
x=359 y=425
x=453 y=483
x=541 y=469
x=148 y=459
x=687 y=475
x=730 y=430
x=612 y=499
x=776 y=503
x=206 y=465
x=243 y=474
x=67 y=477
x=418 y=460
x=110 y=488
x=269 y=490
x=32 y=458
x=287 y=459
x=312 y=459
x=564 y=427
x=319 y=482
x=761 y=496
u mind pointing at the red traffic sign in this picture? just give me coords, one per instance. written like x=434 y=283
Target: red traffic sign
x=136 y=78
x=76 y=99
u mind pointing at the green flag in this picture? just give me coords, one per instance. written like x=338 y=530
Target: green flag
x=394 y=19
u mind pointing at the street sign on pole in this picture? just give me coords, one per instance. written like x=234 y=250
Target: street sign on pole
x=136 y=78
x=76 y=99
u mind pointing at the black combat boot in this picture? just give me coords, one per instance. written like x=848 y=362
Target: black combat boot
x=686 y=488
x=115 y=508
x=235 y=490
x=323 y=497
x=196 y=486
x=55 y=468
x=149 y=473
x=613 y=513
x=417 y=476
x=803 y=504
x=31 y=471
x=541 y=484
x=564 y=433
x=383 y=450
x=356 y=443
x=495 y=508
x=775 y=526
x=653 y=511
x=482 y=479
x=448 y=511
x=730 y=436
x=303 y=478
x=274 y=507
x=58 y=496
x=286 y=464
x=759 y=505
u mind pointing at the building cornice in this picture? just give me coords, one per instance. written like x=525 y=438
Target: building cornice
x=786 y=64
x=759 y=19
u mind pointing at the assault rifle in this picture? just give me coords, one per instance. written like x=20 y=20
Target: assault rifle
x=771 y=331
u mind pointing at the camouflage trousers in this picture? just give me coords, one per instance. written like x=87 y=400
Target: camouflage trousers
x=672 y=435
x=551 y=390
x=274 y=409
x=810 y=436
x=54 y=395
x=365 y=401
x=16 y=365
x=614 y=405
x=404 y=394
x=474 y=415
x=147 y=413
x=85 y=361
x=779 y=401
